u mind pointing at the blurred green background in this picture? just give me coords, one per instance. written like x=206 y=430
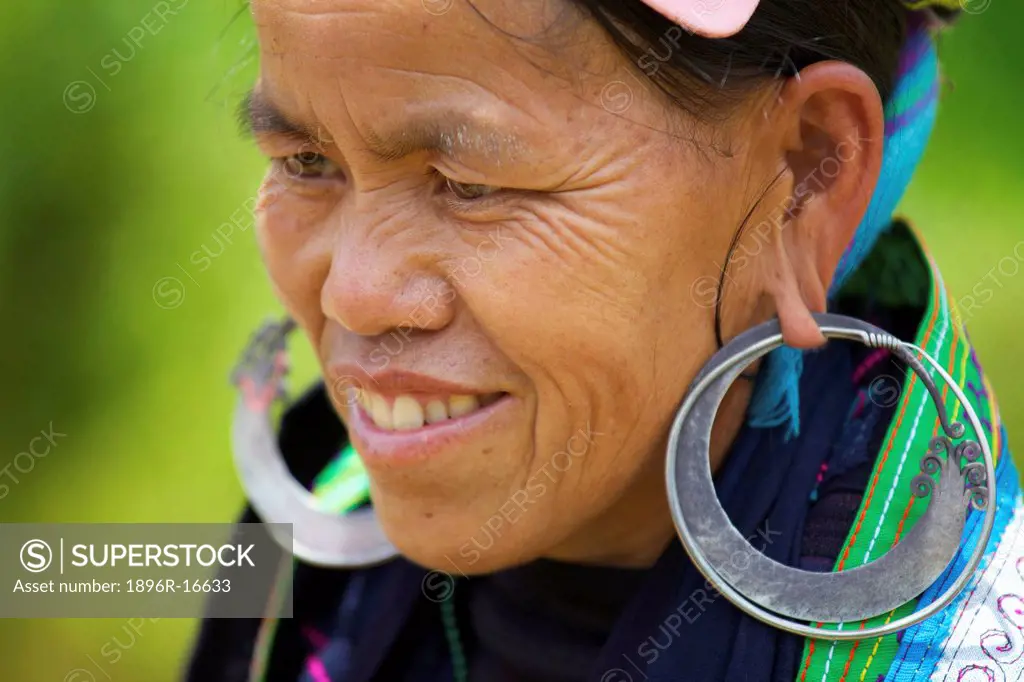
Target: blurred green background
x=120 y=166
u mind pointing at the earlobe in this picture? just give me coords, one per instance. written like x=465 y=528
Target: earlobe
x=788 y=288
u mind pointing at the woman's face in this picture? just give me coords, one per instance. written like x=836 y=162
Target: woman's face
x=504 y=253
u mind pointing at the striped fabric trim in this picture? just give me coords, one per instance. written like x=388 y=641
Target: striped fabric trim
x=889 y=508
x=343 y=485
x=924 y=645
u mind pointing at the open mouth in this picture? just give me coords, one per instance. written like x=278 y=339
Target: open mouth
x=406 y=412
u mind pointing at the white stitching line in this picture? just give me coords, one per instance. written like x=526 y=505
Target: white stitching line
x=989 y=564
x=942 y=337
x=903 y=460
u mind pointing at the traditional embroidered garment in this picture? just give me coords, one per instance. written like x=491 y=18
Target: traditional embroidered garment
x=980 y=636
x=889 y=509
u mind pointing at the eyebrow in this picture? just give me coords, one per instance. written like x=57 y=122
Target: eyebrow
x=257 y=115
x=454 y=136
x=451 y=136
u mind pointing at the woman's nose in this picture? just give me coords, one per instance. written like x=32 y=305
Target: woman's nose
x=373 y=289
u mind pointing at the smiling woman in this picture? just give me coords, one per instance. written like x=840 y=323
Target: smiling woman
x=523 y=293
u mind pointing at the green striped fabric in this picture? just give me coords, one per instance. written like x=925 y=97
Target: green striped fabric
x=343 y=485
x=889 y=509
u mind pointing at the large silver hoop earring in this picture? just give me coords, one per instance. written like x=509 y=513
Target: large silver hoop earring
x=352 y=540
x=788 y=598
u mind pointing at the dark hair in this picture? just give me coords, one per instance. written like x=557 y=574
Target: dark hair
x=782 y=37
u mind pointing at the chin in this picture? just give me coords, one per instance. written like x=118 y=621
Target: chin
x=452 y=541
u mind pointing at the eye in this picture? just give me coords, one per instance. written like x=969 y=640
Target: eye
x=468 y=192
x=307 y=165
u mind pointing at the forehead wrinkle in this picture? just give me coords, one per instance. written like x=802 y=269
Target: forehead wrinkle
x=454 y=131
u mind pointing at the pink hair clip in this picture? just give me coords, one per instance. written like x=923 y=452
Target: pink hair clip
x=709 y=18
x=724 y=18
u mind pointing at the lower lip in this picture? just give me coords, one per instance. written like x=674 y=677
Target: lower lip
x=432 y=440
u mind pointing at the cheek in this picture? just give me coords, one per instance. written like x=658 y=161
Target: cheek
x=295 y=245
x=589 y=299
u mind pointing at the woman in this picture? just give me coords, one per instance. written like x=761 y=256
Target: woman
x=516 y=234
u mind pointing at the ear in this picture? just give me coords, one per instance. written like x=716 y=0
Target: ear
x=831 y=130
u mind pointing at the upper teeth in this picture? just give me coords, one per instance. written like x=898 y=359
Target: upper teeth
x=407 y=412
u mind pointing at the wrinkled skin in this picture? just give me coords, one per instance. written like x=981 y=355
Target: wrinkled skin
x=581 y=288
